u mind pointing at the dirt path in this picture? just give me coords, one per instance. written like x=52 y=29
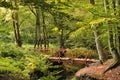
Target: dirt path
x=95 y=70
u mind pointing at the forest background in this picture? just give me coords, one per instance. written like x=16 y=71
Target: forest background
x=71 y=24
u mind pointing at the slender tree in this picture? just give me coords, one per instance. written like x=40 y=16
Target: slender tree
x=97 y=40
x=44 y=28
x=99 y=46
x=112 y=46
x=16 y=26
x=37 y=29
x=40 y=7
x=118 y=27
x=36 y=13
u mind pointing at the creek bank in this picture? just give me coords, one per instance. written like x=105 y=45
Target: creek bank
x=67 y=69
x=95 y=70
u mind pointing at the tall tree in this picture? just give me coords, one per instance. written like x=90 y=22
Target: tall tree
x=118 y=27
x=97 y=40
x=37 y=29
x=112 y=46
x=99 y=45
x=15 y=17
x=38 y=7
x=59 y=20
x=36 y=11
x=44 y=29
x=14 y=6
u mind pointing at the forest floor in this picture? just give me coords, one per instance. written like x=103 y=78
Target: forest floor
x=96 y=70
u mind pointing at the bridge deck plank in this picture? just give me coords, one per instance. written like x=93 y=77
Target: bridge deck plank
x=72 y=59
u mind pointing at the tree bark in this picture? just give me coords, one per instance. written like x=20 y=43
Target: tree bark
x=118 y=39
x=110 y=40
x=117 y=2
x=37 y=29
x=92 y=2
x=118 y=28
x=106 y=7
x=98 y=42
x=58 y=23
x=44 y=30
x=112 y=47
x=99 y=46
x=61 y=38
x=15 y=17
x=114 y=5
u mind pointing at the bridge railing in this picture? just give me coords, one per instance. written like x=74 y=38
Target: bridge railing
x=72 y=53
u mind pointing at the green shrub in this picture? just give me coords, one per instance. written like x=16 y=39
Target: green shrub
x=22 y=63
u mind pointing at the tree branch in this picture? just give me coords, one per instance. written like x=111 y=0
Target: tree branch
x=31 y=9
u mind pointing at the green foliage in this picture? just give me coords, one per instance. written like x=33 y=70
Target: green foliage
x=76 y=18
x=80 y=38
x=22 y=63
x=5 y=36
x=101 y=20
x=5 y=4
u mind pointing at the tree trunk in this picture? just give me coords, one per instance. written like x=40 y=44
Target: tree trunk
x=99 y=46
x=106 y=6
x=115 y=37
x=110 y=40
x=118 y=39
x=37 y=33
x=16 y=26
x=114 y=6
x=98 y=42
x=92 y=2
x=118 y=28
x=61 y=38
x=112 y=47
x=44 y=30
x=114 y=52
x=117 y=2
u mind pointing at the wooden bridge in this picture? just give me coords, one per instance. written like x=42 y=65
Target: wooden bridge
x=76 y=56
x=72 y=60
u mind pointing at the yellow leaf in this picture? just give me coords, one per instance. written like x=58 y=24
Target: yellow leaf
x=95 y=22
x=56 y=1
x=60 y=32
x=55 y=29
x=33 y=66
x=63 y=0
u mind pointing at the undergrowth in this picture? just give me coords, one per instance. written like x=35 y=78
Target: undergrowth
x=23 y=64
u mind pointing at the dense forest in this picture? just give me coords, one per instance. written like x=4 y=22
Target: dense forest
x=28 y=28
